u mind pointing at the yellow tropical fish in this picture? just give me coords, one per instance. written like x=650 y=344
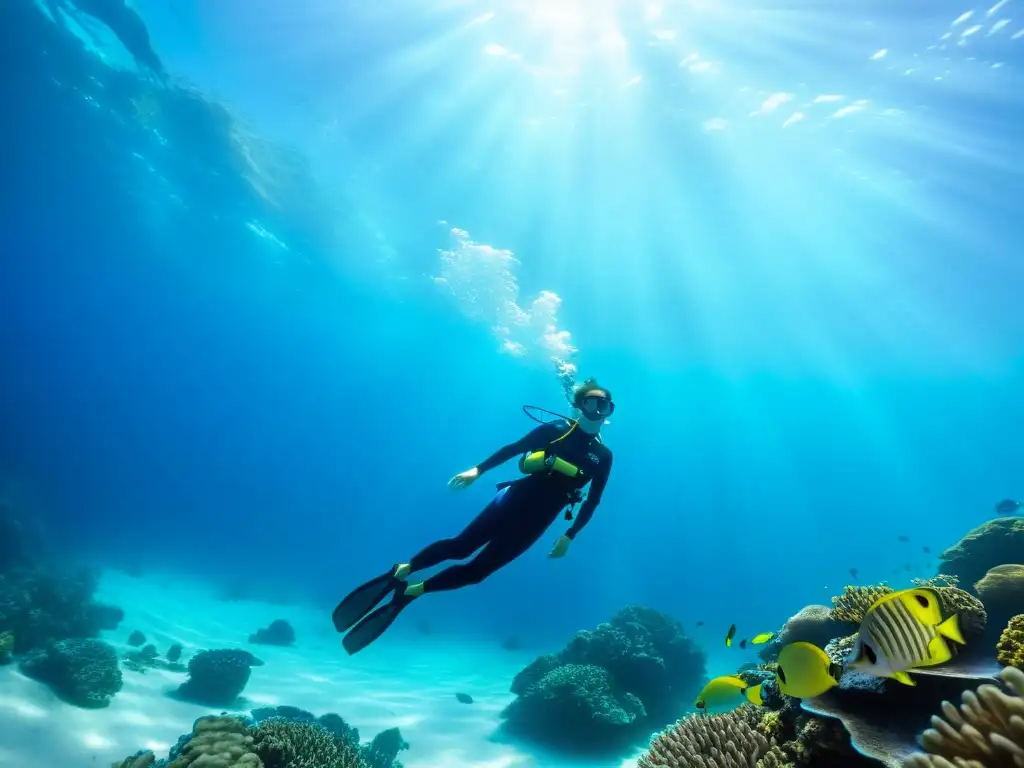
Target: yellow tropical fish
x=805 y=671
x=764 y=637
x=727 y=692
x=902 y=631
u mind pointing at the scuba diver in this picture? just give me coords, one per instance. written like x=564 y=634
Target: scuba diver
x=123 y=21
x=558 y=459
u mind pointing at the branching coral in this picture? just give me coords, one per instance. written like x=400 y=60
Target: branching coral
x=987 y=731
x=1010 y=648
x=218 y=742
x=730 y=740
x=293 y=744
x=851 y=606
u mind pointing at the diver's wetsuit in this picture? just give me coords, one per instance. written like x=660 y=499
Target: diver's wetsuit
x=523 y=509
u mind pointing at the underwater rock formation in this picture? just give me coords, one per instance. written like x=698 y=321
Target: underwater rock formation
x=608 y=687
x=217 y=678
x=986 y=731
x=993 y=543
x=136 y=638
x=279 y=632
x=1010 y=648
x=81 y=672
x=1002 y=591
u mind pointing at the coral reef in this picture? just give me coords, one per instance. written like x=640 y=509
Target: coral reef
x=884 y=727
x=986 y=731
x=218 y=742
x=147 y=658
x=41 y=606
x=174 y=652
x=144 y=759
x=608 y=687
x=571 y=702
x=993 y=543
x=729 y=740
x=850 y=607
x=1010 y=648
x=41 y=602
x=383 y=751
x=811 y=624
x=284 y=743
x=279 y=632
x=217 y=678
x=82 y=672
x=1001 y=589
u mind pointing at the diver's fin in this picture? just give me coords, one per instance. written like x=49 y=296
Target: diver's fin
x=376 y=624
x=363 y=598
x=754 y=695
x=951 y=628
x=903 y=677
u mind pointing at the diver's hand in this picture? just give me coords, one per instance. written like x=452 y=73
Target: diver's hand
x=464 y=479
x=561 y=547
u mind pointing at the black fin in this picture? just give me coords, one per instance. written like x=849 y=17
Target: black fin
x=362 y=600
x=374 y=625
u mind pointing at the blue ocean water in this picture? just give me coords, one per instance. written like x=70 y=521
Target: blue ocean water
x=255 y=315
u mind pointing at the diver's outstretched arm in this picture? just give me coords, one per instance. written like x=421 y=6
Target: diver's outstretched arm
x=586 y=511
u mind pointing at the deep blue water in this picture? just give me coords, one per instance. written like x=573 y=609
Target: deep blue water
x=813 y=333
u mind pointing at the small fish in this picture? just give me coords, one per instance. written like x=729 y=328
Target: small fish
x=902 y=631
x=700 y=623
x=727 y=692
x=806 y=671
x=927 y=550
x=905 y=539
x=730 y=635
x=465 y=698
x=1009 y=506
x=764 y=637
x=854 y=572
x=743 y=643
x=908 y=567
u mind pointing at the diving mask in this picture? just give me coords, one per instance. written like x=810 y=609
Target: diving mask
x=597 y=406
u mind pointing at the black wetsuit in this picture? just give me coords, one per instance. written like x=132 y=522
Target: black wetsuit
x=523 y=509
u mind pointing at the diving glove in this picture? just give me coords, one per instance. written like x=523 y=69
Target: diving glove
x=561 y=547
